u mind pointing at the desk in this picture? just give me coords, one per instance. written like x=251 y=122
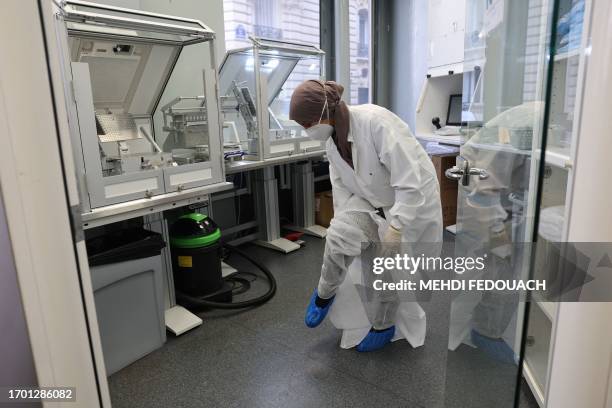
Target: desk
x=457 y=140
x=266 y=199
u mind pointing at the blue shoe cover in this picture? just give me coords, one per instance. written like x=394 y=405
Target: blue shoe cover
x=495 y=348
x=376 y=340
x=315 y=314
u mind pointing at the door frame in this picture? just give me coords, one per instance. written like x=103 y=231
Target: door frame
x=38 y=180
x=39 y=190
x=581 y=358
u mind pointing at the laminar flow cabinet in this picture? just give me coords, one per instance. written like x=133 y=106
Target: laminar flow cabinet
x=120 y=67
x=256 y=84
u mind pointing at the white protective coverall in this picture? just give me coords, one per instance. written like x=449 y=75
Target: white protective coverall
x=392 y=171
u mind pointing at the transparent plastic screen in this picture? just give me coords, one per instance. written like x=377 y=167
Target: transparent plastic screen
x=281 y=126
x=181 y=118
x=239 y=103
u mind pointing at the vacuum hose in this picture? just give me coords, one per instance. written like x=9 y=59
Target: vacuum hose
x=193 y=301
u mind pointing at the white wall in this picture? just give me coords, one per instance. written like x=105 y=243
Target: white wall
x=17 y=368
x=408 y=56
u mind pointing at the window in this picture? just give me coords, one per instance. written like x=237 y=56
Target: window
x=362 y=49
x=292 y=20
x=363 y=95
x=359 y=55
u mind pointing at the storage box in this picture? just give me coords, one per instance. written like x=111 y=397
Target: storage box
x=129 y=295
x=324 y=208
x=130 y=309
x=448 y=188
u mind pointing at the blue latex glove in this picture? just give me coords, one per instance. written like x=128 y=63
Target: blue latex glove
x=376 y=340
x=315 y=314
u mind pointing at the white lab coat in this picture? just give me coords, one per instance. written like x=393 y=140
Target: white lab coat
x=392 y=171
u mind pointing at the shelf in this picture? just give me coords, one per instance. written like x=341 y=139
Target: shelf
x=557 y=156
x=454 y=140
x=567 y=55
x=538 y=393
x=239 y=166
x=537 y=349
x=537 y=367
x=162 y=202
x=501 y=147
x=445 y=70
x=549 y=308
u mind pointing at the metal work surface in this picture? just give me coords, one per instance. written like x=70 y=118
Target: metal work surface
x=137 y=208
x=246 y=165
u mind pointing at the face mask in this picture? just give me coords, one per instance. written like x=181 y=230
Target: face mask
x=320 y=132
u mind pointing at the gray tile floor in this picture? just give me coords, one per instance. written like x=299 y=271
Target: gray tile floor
x=266 y=357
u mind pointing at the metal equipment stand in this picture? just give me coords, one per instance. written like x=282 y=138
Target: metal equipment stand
x=304 y=201
x=266 y=201
x=178 y=319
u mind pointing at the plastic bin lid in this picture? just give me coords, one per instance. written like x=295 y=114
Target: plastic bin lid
x=124 y=245
x=194 y=230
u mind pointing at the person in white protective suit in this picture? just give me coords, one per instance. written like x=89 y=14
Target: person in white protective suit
x=385 y=192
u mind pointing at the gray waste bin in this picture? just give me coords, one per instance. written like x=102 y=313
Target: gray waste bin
x=126 y=274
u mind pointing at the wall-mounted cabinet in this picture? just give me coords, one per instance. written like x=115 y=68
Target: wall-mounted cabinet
x=446 y=35
x=434 y=102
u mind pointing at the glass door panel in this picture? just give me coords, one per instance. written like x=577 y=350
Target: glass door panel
x=569 y=51
x=238 y=104
x=505 y=79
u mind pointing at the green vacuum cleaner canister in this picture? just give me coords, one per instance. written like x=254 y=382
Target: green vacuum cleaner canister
x=196 y=256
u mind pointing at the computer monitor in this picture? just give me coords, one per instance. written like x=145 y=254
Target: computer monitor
x=453 y=117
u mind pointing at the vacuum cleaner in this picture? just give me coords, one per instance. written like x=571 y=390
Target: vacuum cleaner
x=197 y=252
